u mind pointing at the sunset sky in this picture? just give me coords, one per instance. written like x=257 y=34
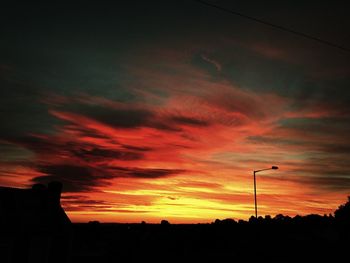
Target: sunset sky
x=150 y=110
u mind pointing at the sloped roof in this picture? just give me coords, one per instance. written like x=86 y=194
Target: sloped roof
x=37 y=207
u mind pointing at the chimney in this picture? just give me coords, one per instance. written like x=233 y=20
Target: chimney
x=38 y=187
x=54 y=193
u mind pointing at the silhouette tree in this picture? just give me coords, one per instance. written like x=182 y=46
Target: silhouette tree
x=217 y=221
x=164 y=222
x=343 y=212
x=228 y=221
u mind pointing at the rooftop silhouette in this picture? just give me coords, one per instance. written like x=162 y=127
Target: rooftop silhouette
x=38 y=206
x=33 y=225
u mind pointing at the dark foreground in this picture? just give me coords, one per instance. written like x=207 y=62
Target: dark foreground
x=315 y=239
x=311 y=238
x=40 y=232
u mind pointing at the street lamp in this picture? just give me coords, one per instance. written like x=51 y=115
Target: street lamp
x=256 y=171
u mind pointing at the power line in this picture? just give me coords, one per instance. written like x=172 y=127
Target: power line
x=298 y=33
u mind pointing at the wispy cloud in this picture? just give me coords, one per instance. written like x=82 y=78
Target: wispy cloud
x=216 y=64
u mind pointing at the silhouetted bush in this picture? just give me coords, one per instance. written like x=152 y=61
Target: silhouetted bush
x=164 y=222
x=343 y=212
x=227 y=221
x=217 y=221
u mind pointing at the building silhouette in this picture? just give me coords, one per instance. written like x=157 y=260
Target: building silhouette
x=33 y=225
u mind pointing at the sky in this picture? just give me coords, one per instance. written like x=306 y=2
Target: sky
x=151 y=110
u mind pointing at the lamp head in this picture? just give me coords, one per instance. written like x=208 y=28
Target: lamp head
x=274 y=167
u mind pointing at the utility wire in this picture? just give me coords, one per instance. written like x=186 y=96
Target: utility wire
x=326 y=42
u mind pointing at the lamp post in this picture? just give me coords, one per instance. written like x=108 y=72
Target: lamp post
x=256 y=171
